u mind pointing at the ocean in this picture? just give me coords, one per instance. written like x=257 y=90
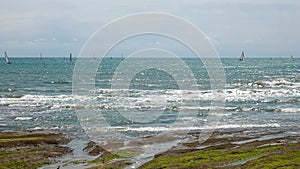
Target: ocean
x=36 y=95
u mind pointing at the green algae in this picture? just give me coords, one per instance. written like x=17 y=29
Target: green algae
x=261 y=157
x=105 y=159
x=288 y=157
x=22 y=164
x=129 y=152
x=17 y=158
x=5 y=140
x=30 y=151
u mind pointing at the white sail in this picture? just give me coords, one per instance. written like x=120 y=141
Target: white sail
x=242 y=56
x=6 y=58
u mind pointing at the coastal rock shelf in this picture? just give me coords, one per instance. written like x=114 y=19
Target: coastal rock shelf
x=233 y=149
x=31 y=150
x=224 y=149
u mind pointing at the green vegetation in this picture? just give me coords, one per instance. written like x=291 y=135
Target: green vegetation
x=30 y=151
x=108 y=162
x=23 y=158
x=129 y=152
x=263 y=157
x=285 y=158
x=105 y=159
x=20 y=139
x=21 y=164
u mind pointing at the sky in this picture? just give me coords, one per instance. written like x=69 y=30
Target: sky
x=56 y=27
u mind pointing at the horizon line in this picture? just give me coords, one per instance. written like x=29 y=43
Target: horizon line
x=48 y=56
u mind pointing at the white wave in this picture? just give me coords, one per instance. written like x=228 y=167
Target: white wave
x=23 y=118
x=281 y=82
x=50 y=128
x=290 y=110
x=264 y=109
x=152 y=99
x=276 y=83
x=37 y=128
x=229 y=126
x=44 y=102
x=263 y=95
x=156 y=129
x=161 y=129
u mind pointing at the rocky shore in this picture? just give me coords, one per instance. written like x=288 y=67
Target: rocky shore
x=224 y=149
x=234 y=149
x=31 y=150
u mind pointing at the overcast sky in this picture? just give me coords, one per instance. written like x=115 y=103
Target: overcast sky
x=57 y=27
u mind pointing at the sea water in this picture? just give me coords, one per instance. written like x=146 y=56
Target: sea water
x=36 y=94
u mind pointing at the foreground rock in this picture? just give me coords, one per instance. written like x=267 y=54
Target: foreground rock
x=30 y=150
x=233 y=150
x=104 y=158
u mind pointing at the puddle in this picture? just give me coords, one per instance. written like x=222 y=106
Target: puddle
x=262 y=138
x=241 y=162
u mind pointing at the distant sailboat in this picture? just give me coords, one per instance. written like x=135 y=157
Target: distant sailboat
x=70 y=57
x=292 y=57
x=6 y=58
x=41 y=56
x=242 y=58
x=122 y=57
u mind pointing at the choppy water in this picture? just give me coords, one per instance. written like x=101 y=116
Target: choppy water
x=37 y=94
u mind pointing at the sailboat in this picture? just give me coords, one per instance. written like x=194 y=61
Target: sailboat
x=242 y=58
x=122 y=57
x=292 y=57
x=70 y=57
x=6 y=58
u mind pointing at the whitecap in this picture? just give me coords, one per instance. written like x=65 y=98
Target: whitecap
x=160 y=129
x=23 y=118
x=290 y=110
x=229 y=126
